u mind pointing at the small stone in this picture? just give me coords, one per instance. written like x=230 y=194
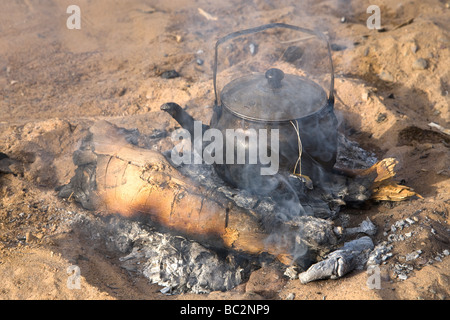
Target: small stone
x=170 y=74
x=292 y=54
x=165 y=290
x=365 y=95
x=290 y=296
x=29 y=237
x=337 y=47
x=121 y=92
x=386 y=76
x=414 y=48
x=386 y=256
x=253 y=48
x=381 y=117
x=402 y=276
x=366 y=51
x=343 y=19
x=420 y=64
x=291 y=273
x=199 y=61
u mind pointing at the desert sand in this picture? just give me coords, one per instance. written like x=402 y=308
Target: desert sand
x=56 y=82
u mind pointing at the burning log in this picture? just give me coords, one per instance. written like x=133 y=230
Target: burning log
x=115 y=176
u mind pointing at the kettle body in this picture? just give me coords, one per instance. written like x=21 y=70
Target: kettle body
x=283 y=118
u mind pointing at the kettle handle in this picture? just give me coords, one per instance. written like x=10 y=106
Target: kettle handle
x=236 y=34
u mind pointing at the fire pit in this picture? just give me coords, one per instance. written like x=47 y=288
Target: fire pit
x=203 y=218
x=232 y=231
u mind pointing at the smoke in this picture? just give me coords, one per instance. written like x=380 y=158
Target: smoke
x=306 y=152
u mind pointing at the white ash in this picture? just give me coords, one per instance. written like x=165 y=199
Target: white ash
x=399 y=226
x=402 y=223
x=185 y=265
x=340 y=262
x=380 y=254
x=413 y=255
x=439 y=256
x=167 y=260
x=396 y=237
x=402 y=270
x=366 y=227
x=291 y=272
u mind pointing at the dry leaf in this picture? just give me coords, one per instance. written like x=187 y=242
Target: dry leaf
x=383 y=187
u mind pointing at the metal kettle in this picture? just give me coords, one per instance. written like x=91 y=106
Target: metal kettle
x=295 y=107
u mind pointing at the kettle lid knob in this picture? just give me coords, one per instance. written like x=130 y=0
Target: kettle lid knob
x=274 y=77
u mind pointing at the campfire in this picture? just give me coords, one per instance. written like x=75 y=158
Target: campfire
x=193 y=232
x=202 y=225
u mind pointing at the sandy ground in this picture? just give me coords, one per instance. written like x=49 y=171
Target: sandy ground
x=55 y=82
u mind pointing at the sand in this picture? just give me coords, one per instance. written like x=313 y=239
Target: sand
x=55 y=82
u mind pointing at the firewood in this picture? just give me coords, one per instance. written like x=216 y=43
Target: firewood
x=122 y=178
x=116 y=177
x=383 y=187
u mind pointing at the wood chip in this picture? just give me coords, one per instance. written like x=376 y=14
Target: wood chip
x=207 y=15
x=440 y=128
x=384 y=187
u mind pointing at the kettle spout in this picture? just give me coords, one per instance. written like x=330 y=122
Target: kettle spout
x=182 y=117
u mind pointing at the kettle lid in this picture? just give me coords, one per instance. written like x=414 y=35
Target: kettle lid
x=273 y=96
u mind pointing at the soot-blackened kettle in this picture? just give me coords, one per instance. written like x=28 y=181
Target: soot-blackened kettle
x=295 y=107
